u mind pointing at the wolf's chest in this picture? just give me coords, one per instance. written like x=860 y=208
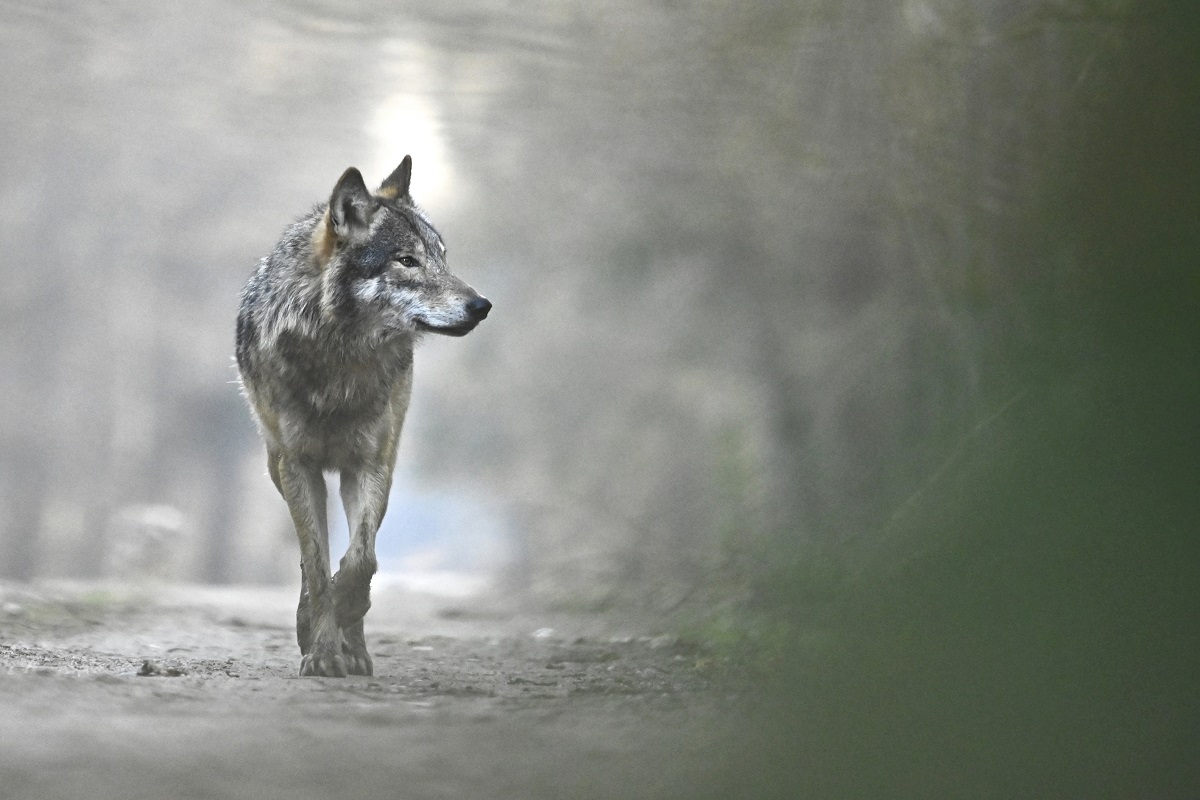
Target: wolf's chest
x=341 y=390
x=339 y=384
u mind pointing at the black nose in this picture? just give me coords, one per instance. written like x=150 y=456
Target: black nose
x=479 y=308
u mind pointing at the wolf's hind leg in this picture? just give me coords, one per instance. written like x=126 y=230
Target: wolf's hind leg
x=303 y=617
x=273 y=469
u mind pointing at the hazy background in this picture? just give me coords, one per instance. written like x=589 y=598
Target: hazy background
x=865 y=330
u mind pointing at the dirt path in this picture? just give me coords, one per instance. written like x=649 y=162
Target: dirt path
x=194 y=693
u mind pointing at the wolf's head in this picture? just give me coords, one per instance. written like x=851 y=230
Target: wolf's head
x=384 y=264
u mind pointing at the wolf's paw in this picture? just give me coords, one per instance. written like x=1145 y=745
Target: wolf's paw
x=323 y=663
x=359 y=663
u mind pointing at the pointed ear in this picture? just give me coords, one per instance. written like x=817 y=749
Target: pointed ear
x=395 y=187
x=350 y=206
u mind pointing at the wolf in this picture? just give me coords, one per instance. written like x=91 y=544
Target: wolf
x=324 y=344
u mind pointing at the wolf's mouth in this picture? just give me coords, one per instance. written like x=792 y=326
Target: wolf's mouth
x=462 y=329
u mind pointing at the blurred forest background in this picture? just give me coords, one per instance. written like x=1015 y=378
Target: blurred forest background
x=876 y=318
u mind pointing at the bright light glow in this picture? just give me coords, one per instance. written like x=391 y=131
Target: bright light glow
x=409 y=122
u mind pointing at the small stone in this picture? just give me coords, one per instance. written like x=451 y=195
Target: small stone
x=152 y=669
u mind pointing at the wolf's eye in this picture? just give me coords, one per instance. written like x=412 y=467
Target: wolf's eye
x=406 y=261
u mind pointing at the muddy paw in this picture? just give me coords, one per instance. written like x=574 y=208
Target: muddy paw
x=323 y=663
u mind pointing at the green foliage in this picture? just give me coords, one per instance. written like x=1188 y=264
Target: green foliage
x=1026 y=624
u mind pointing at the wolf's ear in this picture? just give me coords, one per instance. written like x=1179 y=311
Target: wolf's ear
x=395 y=187
x=350 y=206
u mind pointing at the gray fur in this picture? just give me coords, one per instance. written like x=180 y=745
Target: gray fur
x=325 y=340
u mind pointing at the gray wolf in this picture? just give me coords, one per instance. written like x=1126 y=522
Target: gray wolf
x=325 y=340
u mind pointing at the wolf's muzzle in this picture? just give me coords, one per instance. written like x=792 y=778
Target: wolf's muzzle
x=477 y=310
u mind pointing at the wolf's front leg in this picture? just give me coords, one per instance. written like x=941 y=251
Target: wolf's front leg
x=303 y=487
x=352 y=599
x=358 y=660
x=364 y=494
